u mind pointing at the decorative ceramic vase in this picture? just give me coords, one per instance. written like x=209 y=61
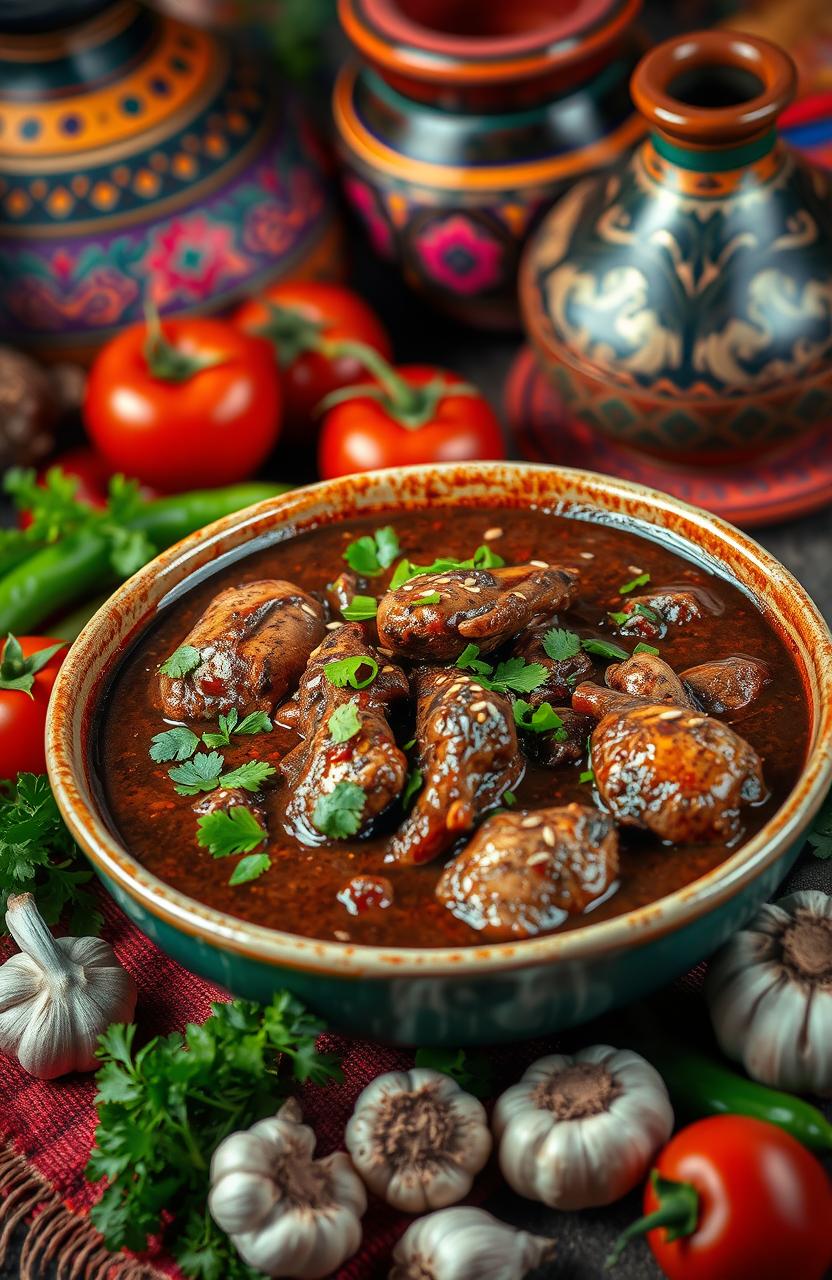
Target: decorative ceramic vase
x=140 y=158
x=466 y=119
x=683 y=304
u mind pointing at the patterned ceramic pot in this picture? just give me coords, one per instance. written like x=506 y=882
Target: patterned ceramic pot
x=139 y=157
x=478 y=994
x=684 y=303
x=466 y=119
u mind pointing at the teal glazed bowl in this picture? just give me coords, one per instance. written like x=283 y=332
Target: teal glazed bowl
x=477 y=994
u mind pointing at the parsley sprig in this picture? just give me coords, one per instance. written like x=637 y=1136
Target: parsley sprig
x=360 y=609
x=254 y=722
x=181 y=662
x=370 y=555
x=338 y=812
x=164 y=1108
x=235 y=830
x=541 y=719
x=204 y=772
x=513 y=675
x=344 y=723
x=346 y=671
x=560 y=645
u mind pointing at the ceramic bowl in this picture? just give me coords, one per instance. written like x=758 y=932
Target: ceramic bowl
x=478 y=994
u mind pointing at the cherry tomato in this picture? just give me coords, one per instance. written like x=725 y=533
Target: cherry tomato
x=761 y=1204
x=189 y=404
x=295 y=316
x=363 y=432
x=22 y=712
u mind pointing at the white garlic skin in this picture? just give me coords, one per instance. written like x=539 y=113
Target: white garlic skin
x=589 y=1161
x=443 y=1179
x=58 y=995
x=467 y=1244
x=778 y=1026
x=274 y=1232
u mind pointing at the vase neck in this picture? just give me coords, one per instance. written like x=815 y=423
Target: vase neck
x=721 y=159
x=711 y=172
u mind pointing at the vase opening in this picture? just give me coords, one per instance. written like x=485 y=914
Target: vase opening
x=487 y=19
x=715 y=87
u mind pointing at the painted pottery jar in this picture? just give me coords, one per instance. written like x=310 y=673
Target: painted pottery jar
x=465 y=119
x=683 y=304
x=141 y=158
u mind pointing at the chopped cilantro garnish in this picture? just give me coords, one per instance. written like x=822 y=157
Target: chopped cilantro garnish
x=618 y=617
x=587 y=776
x=360 y=609
x=641 y=647
x=510 y=799
x=226 y=832
x=518 y=675
x=344 y=723
x=344 y=671
x=409 y=744
x=433 y=597
x=469 y=661
x=560 y=645
x=415 y=779
x=483 y=558
x=177 y=743
x=249 y=868
x=183 y=660
x=604 y=649
x=640 y=581
x=646 y=612
x=250 y=776
x=338 y=812
x=201 y=773
x=256 y=722
x=371 y=555
x=540 y=720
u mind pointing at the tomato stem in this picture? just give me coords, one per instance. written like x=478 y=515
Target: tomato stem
x=291 y=333
x=412 y=407
x=18 y=673
x=678 y=1213
x=166 y=362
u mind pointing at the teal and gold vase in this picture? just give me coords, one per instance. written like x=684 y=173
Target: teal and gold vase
x=683 y=304
x=463 y=121
x=142 y=159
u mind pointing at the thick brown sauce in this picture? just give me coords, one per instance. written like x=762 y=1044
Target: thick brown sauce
x=299 y=891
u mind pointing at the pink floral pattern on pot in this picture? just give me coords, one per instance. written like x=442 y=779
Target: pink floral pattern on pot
x=363 y=200
x=460 y=255
x=190 y=257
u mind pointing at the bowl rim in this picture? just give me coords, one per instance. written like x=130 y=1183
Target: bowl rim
x=69 y=720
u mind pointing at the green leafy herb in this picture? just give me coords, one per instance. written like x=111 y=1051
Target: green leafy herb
x=18 y=673
x=820 y=837
x=201 y=773
x=164 y=1108
x=618 y=617
x=509 y=799
x=433 y=597
x=360 y=609
x=177 y=743
x=338 y=812
x=483 y=558
x=409 y=744
x=344 y=723
x=39 y=856
x=473 y=1072
x=640 y=581
x=345 y=671
x=250 y=776
x=560 y=645
x=412 y=787
x=518 y=675
x=226 y=832
x=469 y=661
x=255 y=722
x=183 y=660
x=641 y=647
x=371 y=555
x=604 y=649
x=644 y=611
x=588 y=775
x=249 y=868
x=540 y=720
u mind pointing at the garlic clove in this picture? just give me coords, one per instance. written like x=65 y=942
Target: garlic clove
x=246 y=1197
x=245 y=1152
x=467 y=1244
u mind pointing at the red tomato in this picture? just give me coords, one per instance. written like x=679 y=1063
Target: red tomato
x=362 y=433
x=294 y=314
x=23 y=715
x=202 y=409
x=765 y=1204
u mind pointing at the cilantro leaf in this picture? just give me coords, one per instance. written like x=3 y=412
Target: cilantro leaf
x=560 y=645
x=344 y=671
x=820 y=837
x=587 y=776
x=517 y=674
x=540 y=720
x=183 y=660
x=618 y=617
x=226 y=832
x=370 y=555
x=177 y=743
x=18 y=673
x=255 y=722
x=412 y=787
x=250 y=776
x=510 y=799
x=433 y=597
x=640 y=581
x=472 y=1071
x=604 y=649
x=468 y=661
x=483 y=558
x=344 y=723
x=641 y=647
x=337 y=813
x=201 y=773
x=360 y=609
x=250 y=868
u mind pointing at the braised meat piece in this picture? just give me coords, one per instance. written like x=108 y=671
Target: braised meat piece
x=676 y=772
x=562 y=675
x=524 y=872
x=468 y=757
x=649 y=616
x=468 y=606
x=645 y=675
x=727 y=684
x=556 y=747
x=368 y=757
x=253 y=642
x=340 y=591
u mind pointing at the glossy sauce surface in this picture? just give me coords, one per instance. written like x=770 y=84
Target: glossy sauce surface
x=299 y=893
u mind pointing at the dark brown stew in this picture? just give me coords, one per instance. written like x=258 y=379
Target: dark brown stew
x=469 y=859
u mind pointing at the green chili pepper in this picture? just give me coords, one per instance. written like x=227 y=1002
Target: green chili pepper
x=699 y=1086
x=78 y=566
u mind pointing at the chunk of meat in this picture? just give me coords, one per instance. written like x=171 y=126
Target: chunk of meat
x=253 y=641
x=468 y=756
x=671 y=770
x=475 y=606
x=369 y=757
x=649 y=616
x=645 y=675
x=223 y=799
x=727 y=684
x=561 y=675
x=525 y=872
x=557 y=747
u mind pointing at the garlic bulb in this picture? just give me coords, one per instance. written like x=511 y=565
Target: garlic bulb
x=287 y=1213
x=581 y=1131
x=467 y=1244
x=417 y=1140
x=769 y=991
x=58 y=995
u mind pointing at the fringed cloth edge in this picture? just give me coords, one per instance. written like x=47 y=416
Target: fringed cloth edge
x=54 y=1234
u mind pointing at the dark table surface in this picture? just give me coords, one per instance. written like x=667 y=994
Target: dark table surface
x=804 y=546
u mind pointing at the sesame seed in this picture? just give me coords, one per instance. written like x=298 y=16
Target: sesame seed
x=635 y=568
x=334 y=626
x=537 y=858
x=672 y=714
x=587 y=555
x=388 y=653
x=491 y=709
x=307 y=608
x=548 y=837
x=519 y=594
x=388 y=667
x=470 y=582
x=540 y=564
x=475 y=590
x=491 y=534
x=477 y=706
x=341 y=935
x=455 y=688
x=310 y=684
x=533 y=820
x=694 y=720
x=482 y=716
